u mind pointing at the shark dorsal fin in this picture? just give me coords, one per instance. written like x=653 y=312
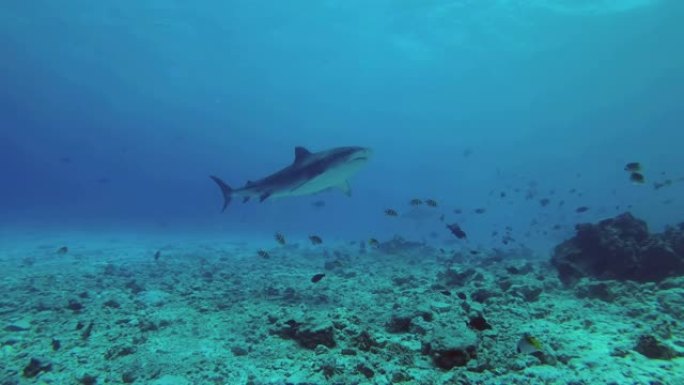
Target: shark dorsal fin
x=301 y=153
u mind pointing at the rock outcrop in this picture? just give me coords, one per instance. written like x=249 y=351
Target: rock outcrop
x=620 y=248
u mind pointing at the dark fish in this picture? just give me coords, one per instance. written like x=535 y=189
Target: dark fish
x=315 y=239
x=637 y=177
x=373 y=242
x=544 y=202
x=446 y=292
x=458 y=211
x=456 y=230
x=480 y=211
x=280 y=238
x=633 y=167
x=474 y=252
x=441 y=218
x=391 y=213
x=318 y=204
x=263 y=254
x=581 y=209
x=478 y=323
x=317 y=277
x=416 y=202
x=461 y=296
x=431 y=202
x=502 y=194
x=157 y=255
x=62 y=250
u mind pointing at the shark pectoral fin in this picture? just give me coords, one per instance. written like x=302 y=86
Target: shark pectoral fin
x=264 y=196
x=346 y=188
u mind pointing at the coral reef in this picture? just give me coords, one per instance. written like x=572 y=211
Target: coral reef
x=620 y=248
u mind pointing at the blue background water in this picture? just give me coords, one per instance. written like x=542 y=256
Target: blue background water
x=113 y=113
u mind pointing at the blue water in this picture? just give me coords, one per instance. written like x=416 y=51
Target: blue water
x=113 y=114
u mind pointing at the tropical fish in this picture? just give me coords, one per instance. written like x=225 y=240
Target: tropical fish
x=633 y=167
x=637 y=177
x=310 y=173
x=317 y=277
x=391 y=212
x=263 y=254
x=478 y=323
x=528 y=344
x=431 y=202
x=62 y=250
x=373 y=242
x=416 y=202
x=456 y=230
x=280 y=238
x=315 y=239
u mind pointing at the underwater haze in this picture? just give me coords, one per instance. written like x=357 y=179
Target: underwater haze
x=512 y=120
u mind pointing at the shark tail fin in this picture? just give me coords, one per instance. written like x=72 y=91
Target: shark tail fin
x=225 y=189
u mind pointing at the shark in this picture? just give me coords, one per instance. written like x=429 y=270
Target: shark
x=309 y=173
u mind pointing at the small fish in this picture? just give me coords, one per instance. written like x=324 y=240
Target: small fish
x=474 y=252
x=633 y=167
x=528 y=344
x=280 y=238
x=544 y=202
x=416 y=202
x=373 y=242
x=480 y=211
x=157 y=255
x=318 y=204
x=315 y=239
x=62 y=250
x=478 y=323
x=263 y=254
x=431 y=202
x=458 y=211
x=581 y=209
x=391 y=213
x=502 y=194
x=445 y=292
x=659 y=185
x=461 y=296
x=637 y=177
x=456 y=230
x=317 y=277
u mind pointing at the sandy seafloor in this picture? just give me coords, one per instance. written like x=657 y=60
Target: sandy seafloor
x=206 y=312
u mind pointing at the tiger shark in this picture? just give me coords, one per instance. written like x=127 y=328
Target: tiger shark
x=310 y=173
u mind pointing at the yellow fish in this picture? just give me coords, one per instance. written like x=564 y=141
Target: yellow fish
x=528 y=344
